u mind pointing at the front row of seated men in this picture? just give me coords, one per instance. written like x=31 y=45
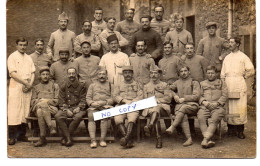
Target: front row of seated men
x=205 y=99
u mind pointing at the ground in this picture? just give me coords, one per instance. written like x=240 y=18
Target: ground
x=227 y=147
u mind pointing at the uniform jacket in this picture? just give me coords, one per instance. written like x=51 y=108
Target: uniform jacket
x=162 y=27
x=93 y=39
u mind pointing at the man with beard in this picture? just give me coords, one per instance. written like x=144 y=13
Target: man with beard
x=236 y=68
x=40 y=59
x=86 y=64
x=125 y=93
x=212 y=100
x=21 y=70
x=211 y=46
x=159 y=24
x=44 y=104
x=111 y=22
x=61 y=38
x=141 y=62
x=99 y=98
x=179 y=37
x=169 y=64
x=88 y=36
x=59 y=69
x=114 y=60
x=72 y=103
x=128 y=27
x=162 y=94
x=151 y=37
x=186 y=97
x=98 y=25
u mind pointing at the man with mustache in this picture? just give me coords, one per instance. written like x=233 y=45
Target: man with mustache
x=59 y=69
x=127 y=92
x=40 y=59
x=98 y=25
x=141 y=62
x=111 y=22
x=61 y=38
x=162 y=94
x=98 y=98
x=128 y=27
x=44 y=104
x=88 y=36
x=72 y=104
x=179 y=37
x=21 y=70
x=186 y=94
x=159 y=24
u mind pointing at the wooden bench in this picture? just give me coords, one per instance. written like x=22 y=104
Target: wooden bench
x=33 y=120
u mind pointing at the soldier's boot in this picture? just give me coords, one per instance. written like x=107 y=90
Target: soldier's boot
x=158 y=135
x=240 y=131
x=103 y=126
x=41 y=142
x=122 y=130
x=66 y=140
x=178 y=119
x=125 y=139
x=147 y=129
x=47 y=118
x=186 y=129
x=92 y=134
x=22 y=132
x=12 y=130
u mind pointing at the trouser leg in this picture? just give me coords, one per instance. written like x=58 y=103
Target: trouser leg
x=60 y=119
x=76 y=121
x=203 y=115
x=122 y=129
x=186 y=129
x=178 y=119
x=41 y=122
x=158 y=135
x=92 y=130
x=103 y=127
x=12 y=131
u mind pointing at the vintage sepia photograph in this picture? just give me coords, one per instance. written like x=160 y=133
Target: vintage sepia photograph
x=150 y=79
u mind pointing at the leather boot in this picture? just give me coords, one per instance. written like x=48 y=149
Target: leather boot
x=125 y=139
x=42 y=142
x=240 y=132
x=22 y=133
x=158 y=135
x=148 y=128
x=176 y=122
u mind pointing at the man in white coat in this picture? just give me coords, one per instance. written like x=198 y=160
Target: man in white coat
x=236 y=68
x=21 y=70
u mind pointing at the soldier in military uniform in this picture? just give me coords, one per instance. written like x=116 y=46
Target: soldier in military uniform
x=213 y=98
x=98 y=98
x=72 y=103
x=186 y=97
x=44 y=103
x=125 y=93
x=160 y=90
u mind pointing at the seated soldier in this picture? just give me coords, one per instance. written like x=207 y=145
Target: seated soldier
x=127 y=92
x=186 y=97
x=44 y=103
x=72 y=103
x=213 y=98
x=160 y=90
x=98 y=98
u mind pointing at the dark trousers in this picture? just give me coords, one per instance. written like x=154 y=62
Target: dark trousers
x=17 y=131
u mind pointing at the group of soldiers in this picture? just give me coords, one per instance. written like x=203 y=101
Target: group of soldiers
x=110 y=65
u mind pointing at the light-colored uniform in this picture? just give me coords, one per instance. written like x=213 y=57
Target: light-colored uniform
x=93 y=39
x=98 y=28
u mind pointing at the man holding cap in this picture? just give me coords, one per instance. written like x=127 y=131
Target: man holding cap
x=61 y=38
x=114 y=60
x=125 y=93
x=44 y=103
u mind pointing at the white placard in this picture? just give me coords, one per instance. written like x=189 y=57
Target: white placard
x=126 y=108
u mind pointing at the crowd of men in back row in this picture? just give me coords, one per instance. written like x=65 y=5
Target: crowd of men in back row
x=106 y=66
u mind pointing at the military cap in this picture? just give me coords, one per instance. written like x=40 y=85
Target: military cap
x=111 y=38
x=63 y=16
x=155 y=68
x=124 y=68
x=44 y=68
x=101 y=68
x=209 y=24
x=64 y=49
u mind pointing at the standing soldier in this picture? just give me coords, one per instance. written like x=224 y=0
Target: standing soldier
x=21 y=70
x=111 y=22
x=212 y=100
x=98 y=98
x=236 y=68
x=39 y=59
x=125 y=93
x=211 y=46
x=72 y=103
x=114 y=60
x=44 y=103
x=128 y=27
x=186 y=97
x=141 y=62
x=98 y=25
x=88 y=36
x=61 y=38
x=159 y=24
x=169 y=64
x=160 y=90
x=179 y=37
